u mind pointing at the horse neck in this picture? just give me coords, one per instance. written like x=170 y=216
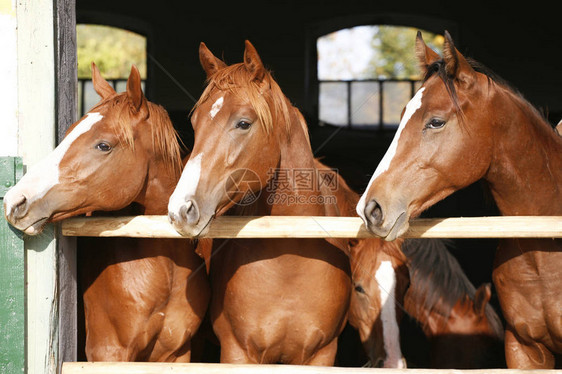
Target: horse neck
x=161 y=180
x=524 y=175
x=296 y=154
x=160 y=183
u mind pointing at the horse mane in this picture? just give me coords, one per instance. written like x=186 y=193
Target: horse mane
x=264 y=95
x=437 y=68
x=437 y=281
x=165 y=139
x=346 y=198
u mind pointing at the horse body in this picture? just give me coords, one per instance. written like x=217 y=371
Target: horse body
x=273 y=301
x=259 y=321
x=155 y=316
x=142 y=298
x=494 y=134
x=527 y=271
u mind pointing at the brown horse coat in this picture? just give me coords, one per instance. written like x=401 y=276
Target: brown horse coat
x=464 y=125
x=274 y=301
x=143 y=298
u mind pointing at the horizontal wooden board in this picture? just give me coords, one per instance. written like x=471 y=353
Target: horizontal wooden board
x=195 y=368
x=318 y=227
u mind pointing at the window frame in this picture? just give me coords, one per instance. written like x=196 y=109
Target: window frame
x=319 y=29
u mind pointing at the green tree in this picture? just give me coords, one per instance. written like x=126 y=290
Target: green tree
x=113 y=50
x=395 y=54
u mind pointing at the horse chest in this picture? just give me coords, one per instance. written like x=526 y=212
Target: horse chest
x=280 y=305
x=528 y=280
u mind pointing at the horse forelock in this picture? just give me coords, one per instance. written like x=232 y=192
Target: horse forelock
x=165 y=140
x=265 y=96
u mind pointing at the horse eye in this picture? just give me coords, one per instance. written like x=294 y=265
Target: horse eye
x=104 y=147
x=359 y=289
x=435 y=123
x=243 y=125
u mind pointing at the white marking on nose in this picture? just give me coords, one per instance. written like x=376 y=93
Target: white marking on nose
x=386 y=280
x=44 y=175
x=216 y=107
x=187 y=185
x=413 y=105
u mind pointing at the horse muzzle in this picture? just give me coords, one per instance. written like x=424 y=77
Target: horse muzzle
x=187 y=219
x=18 y=212
x=389 y=223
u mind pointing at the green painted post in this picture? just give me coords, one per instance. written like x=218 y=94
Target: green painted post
x=12 y=278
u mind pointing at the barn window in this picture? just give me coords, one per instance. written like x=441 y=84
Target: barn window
x=113 y=50
x=367 y=74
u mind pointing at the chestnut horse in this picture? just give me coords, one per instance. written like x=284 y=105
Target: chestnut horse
x=463 y=329
x=273 y=301
x=463 y=125
x=380 y=279
x=142 y=298
x=419 y=277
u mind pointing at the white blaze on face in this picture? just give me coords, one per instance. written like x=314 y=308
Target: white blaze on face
x=45 y=174
x=216 y=107
x=187 y=185
x=386 y=279
x=413 y=105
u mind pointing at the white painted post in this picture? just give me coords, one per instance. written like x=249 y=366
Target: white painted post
x=35 y=89
x=8 y=77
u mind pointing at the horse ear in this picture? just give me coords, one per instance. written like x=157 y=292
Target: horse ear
x=342 y=244
x=101 y=86
x=253 y=63
x=204 y=249
x=456 y=64
x=134 y=89
x=426 y=56
x=209 y=62
x=481 y=298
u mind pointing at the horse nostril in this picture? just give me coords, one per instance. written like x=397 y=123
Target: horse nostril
x=373 y=213
x=18 y=207
x=189 y=212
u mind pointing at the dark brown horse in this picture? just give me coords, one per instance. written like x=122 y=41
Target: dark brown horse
x=273 y=301
x=463 y=330
x=142 y=298
x=463 y=125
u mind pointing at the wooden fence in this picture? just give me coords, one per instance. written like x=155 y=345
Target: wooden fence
x=299 y=227
x=195 y=368
x=318 y=227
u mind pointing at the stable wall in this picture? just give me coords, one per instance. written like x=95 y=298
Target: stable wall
x=520 y=43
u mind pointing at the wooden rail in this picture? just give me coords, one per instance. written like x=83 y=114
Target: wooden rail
x=299 y=227
x=318 y=227
x=195 y=368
